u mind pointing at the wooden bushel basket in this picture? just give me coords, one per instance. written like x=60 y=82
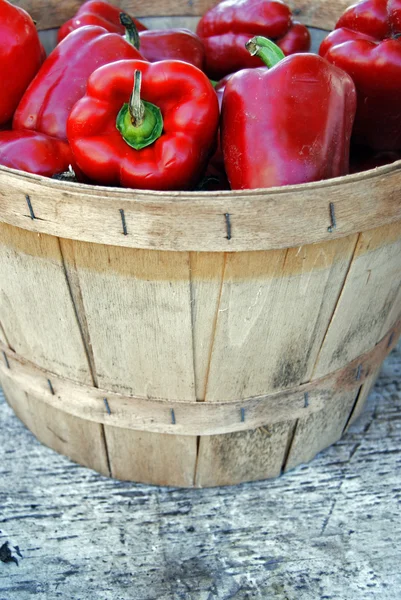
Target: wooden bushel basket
x=195 y=339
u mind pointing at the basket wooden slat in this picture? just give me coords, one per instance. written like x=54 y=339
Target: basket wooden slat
x=320 y=430
x=394 y=313
x=151 y=457
x=82 y=441
x=272 y=317
x=35 y=295
x=246 y=456
x=364 y=307
x=362 y=396
x=3 y=338
x=138 y=310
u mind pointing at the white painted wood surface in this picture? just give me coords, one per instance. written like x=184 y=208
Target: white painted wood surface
x=330 y=529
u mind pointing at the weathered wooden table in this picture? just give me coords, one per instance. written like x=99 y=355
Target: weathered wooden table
x=327 y=530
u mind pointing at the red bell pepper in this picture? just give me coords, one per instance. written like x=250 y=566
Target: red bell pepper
x=158 y=136
x=34 y=152
x=96 y=12
x=172 y=44
x=377 y=18
x=225 y=29
x=288 y=124
x=62 y=79
x=297 y=39
x=366 y=44
x=20 y=56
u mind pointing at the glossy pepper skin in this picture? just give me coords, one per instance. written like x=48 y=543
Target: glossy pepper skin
x=177 y=158
x=297 y=39
x=288 y=124
x=20 y=56
x=172 y=44
x=34 y=153
x=225 y=29
x=61 y=81
x=96 y=12
x=366 y=44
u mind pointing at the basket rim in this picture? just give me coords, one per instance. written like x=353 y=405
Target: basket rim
x=145 y=194
x=232 y=221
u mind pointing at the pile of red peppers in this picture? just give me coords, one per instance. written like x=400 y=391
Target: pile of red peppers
x=240 y=104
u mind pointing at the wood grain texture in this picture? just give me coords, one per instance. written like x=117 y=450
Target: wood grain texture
x=274 y=310
x=237 y=457
x=367 y=298
x=51 y=13
x=319 y=13
x=137 y=308
x=3 y=337
x=362 y=396
x=290 y=216
x=176 y=418
x=151 y=458
x=320 y=430
x=207 y=273
x=138 y=311
x=72 y=276
x=191 y=418
x=36 y=308
x=18 y=400
x=394 y=313
x=330 y=528
x=80 y=440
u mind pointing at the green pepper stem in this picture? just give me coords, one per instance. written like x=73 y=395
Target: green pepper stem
x=140 y=122
x=131 y=32
x=136 y=107
x=266 y=50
